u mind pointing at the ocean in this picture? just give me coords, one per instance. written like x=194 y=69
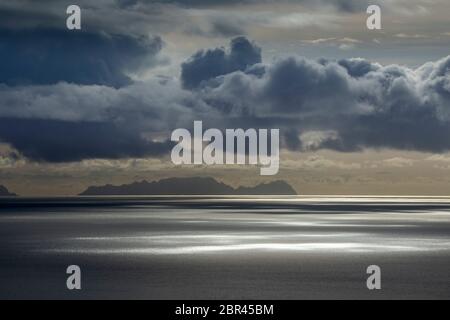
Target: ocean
x=225 y=247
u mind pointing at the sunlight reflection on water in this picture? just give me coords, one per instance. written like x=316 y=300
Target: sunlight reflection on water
x=305 y=224
x=316 y=233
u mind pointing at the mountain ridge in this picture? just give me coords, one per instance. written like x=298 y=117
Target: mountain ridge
x=189 y=186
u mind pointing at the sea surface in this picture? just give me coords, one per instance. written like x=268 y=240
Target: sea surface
x=225 y=248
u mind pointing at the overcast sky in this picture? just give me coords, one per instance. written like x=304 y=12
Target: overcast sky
x=360 y=111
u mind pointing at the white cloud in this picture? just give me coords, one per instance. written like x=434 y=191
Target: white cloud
x=398 y=162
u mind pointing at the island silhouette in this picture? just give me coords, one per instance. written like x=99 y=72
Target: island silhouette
x=5 y=193
x=189 y=186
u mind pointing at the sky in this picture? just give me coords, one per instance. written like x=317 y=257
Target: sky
x=359 y=111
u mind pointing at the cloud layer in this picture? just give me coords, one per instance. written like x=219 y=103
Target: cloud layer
x=344 y=105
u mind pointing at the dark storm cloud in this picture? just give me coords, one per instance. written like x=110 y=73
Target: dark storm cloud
x=47 y=56
x=345 y=105
x=69 y=122
x=208 y=64
x=62 y=141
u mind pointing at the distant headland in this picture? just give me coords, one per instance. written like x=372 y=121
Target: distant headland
x=5 y=193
